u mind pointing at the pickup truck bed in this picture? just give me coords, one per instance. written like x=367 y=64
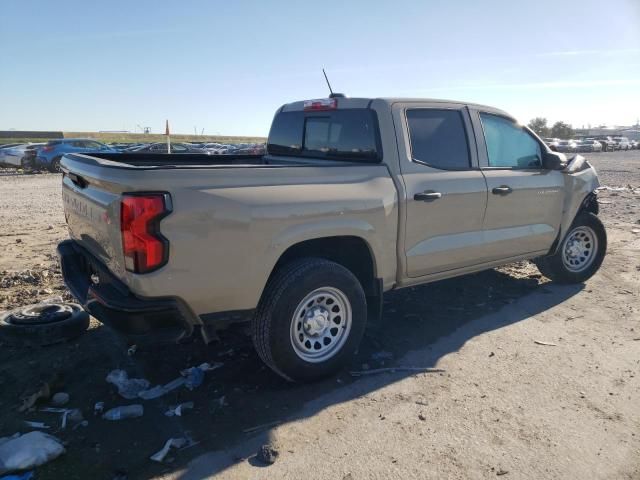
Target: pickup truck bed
x=160 y=160
x=244 y=201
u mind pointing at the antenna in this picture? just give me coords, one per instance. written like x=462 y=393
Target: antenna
x=332 y=95
x=328 y=84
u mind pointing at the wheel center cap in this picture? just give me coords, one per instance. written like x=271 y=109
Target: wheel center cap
x=575 y=249
x=316 y=321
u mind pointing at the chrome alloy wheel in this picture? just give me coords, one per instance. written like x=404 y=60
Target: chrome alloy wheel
x=321 y=324
x=579 y=249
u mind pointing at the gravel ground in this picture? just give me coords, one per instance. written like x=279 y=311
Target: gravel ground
x=502 y=405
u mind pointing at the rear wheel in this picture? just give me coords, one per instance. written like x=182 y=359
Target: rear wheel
x=310 y=320
x=55 y=165
x=580 y=254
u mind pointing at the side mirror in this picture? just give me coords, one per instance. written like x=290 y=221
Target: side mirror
x=554 y=161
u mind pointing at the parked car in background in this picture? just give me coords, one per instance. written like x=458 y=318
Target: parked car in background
x=567 y=146
x=9 y=145
x=634 y=144
x=4 y=150
x=50 y=154
x=622 y=143
x=216 y=148
x=135 y=146
x=19 y=155
x=589 y=145
x=161 y=147
x=608 y=145
x=122 y=146
x=552 y=142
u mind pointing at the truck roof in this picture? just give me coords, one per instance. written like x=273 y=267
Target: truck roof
x=366 y=102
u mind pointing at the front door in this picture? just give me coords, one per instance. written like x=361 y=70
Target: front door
x=446 y=193
x=525 y=201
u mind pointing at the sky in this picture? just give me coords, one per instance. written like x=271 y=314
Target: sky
x=226 y=66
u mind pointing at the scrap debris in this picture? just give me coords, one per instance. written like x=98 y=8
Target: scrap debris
x=131 y=388
x=177 y=410
x=262 y=427
x=71 y=414
x=43 y=393
x=128 y=388
x=548 y=344
x=60 y=399
x=396 y=369
x=268 y=454
x=41 y=425
x=24 y=452
x=122 y=413
x=179 y=443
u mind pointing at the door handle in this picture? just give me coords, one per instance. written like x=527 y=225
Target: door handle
x=502 y=190
x=427 y=196
x=77 y=180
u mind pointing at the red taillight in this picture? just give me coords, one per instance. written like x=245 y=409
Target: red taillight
x=144 y=248
x=321 y=104
x=47 y=148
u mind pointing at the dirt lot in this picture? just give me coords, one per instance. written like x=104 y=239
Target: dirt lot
x=502 y=406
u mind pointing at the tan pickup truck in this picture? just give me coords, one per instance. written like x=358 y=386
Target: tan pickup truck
x=355 y=197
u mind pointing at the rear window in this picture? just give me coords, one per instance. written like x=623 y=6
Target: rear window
x=350 y=134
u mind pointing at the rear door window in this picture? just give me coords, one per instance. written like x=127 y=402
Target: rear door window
x=438 y=138
x=349 y=134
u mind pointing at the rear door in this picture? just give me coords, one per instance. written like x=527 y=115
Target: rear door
x=525 y=201
x=446 y=193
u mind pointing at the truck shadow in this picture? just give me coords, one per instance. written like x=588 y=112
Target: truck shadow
x=238 y=404
x=429 y=322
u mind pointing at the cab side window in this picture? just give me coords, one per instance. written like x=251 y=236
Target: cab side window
x=438 y=138
x=508 y=145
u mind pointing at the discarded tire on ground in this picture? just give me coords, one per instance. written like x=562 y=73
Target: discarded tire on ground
x=42 y=324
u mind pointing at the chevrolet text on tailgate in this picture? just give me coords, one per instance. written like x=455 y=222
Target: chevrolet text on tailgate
x=355 y=197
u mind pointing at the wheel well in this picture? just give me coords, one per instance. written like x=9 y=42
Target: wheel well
x=590 y=204
x=352 y=253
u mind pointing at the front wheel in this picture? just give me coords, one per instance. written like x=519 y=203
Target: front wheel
x=310 y=320
x=580 y=254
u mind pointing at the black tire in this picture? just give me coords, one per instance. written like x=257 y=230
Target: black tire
x=555 y=267
x=42 y=324
x=54 y=166
x=273 y=330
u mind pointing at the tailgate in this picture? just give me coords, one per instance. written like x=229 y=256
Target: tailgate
x=92 y=212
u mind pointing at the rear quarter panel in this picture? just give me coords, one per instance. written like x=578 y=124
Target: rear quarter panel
x=230 y=226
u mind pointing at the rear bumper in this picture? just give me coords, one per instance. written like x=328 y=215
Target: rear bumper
x=104 y=296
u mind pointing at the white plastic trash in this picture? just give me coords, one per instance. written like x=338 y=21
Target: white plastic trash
x=121 y=413
x=28 y=451
x=128 y=388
